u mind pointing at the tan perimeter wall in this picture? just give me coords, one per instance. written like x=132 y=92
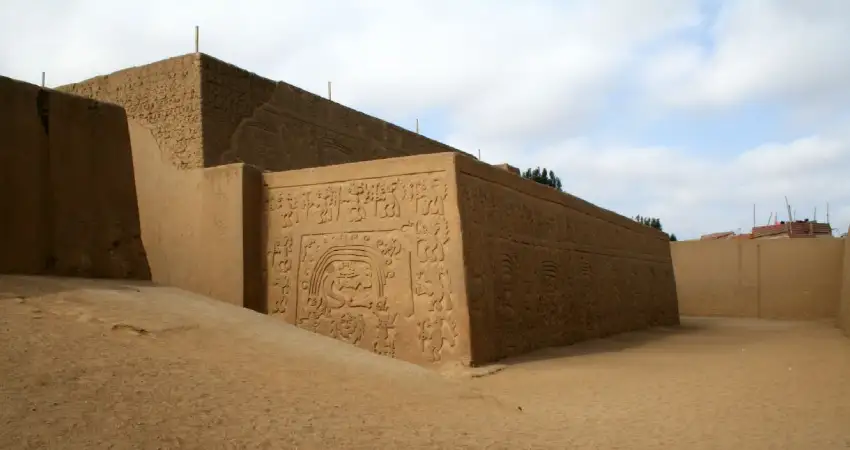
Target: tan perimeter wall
x=773 y=279
x=844 y=300
x=370 y=254
x=545 y=268
x=67 y=192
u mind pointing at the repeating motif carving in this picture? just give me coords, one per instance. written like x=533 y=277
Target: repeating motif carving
x=558 y=275
x=279 y=270
x=372 y=288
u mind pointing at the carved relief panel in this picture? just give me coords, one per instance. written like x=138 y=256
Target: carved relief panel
x=367 y=262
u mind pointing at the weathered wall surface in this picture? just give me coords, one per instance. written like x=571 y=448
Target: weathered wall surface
x=67 y=193
x=774 y=279
x=197 y=224
x=546 y=269
x=844 y=300
x=370 y=253
x=164 y=96
x=277 y=126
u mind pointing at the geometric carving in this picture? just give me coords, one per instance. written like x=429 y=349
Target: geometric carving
x=385 y=288
x=373 y=261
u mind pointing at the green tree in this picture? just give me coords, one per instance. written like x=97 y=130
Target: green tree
x=654 y=222
x=543 y=176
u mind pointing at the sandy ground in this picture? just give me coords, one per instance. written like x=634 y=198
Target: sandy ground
x=88 y=365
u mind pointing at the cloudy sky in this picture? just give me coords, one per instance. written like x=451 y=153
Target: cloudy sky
x=688 y=110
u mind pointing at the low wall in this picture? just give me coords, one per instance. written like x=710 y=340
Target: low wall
x=200 y=226
x=844 y=300
x=545 y=268
x=67 y=193
x=773 y=279
x=370 y=253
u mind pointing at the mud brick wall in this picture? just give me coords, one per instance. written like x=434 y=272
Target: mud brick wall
x=796 y=279
x=276 y=126
x=844 y=299
x=200 y=227
x=545 y=268
x=164 y=96
x=67 y=192
x=370 y=254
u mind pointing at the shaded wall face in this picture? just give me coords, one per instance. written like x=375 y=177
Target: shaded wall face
x=844 y=301
x=775 y=279
x=67 y=192
x=164 y=96
x=193 y=223
x=546 y=269
x=370 y=254
x=276 y=126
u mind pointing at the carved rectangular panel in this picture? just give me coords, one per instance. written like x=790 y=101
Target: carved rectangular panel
x=367 y=262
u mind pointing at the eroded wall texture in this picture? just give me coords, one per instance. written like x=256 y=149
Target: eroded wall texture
x=546 y=269
x=370 y=254
x=844 y=300
x=67 y=192
x=164 y=96
x=772 y=279
x=277 y=126
x=204 y=112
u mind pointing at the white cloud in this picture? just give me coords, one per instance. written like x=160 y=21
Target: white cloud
x=697 y=195
x=781 y=50
x=526 y=81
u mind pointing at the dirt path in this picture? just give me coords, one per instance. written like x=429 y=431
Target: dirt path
x=90 y=365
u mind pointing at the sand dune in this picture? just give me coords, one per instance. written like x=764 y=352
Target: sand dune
x=104 y=364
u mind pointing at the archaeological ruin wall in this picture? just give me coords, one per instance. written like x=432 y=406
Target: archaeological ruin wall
x=277 y=126
x=193 y=219
x=441 y=258
x=67 y=192
x=204 y=112
x=791 y=279
x=370 y=254
x=164 y=97
x=844 y=296
x=545 y=268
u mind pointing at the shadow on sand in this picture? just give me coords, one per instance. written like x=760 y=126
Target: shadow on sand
x=613 y=344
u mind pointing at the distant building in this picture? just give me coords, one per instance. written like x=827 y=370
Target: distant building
x=797 y=229
x=781 y=230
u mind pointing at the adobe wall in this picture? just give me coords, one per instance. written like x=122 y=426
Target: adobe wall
x=200 y=226
x=773 y=279
x=164 y=96
x=67 y=193
x=370 y=253
x=545 y=268
x=277 y=126
x=844 y=299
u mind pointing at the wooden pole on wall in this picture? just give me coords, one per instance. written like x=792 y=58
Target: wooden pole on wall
x=417 y=126
x=197 y=39
x=479 y=154
x=329 y=91
x=827 y=212
x=754 y=215
x=42 y=79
